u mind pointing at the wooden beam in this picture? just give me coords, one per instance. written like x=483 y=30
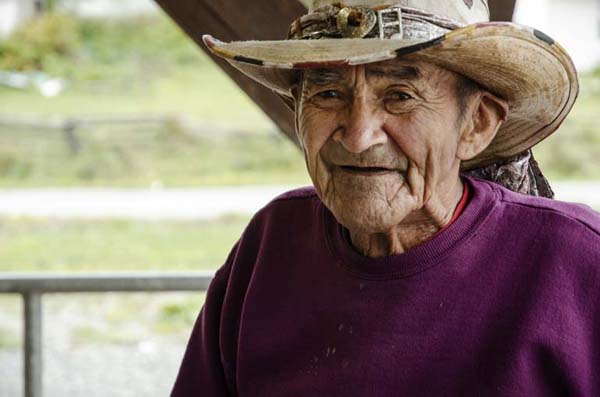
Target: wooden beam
x=502 y=10
x=230 y=20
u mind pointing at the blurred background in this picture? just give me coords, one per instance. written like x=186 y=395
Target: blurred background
x=123 y=147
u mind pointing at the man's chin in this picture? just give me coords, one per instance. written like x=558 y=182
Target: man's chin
x=366 y=216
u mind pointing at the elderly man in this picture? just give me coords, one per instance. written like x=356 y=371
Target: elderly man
x=398 y=274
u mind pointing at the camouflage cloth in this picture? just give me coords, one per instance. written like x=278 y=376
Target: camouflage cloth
x=520 y=174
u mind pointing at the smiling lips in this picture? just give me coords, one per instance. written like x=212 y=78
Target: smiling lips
x=369 y=171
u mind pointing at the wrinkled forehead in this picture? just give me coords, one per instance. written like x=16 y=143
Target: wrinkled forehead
x=396 y=69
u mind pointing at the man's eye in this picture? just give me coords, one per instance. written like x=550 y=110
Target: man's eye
x=398 y=102
x=398 y=96
x=329 y=99
x=329 y=94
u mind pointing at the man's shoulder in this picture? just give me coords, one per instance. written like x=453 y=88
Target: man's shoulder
x=270 y=228
x=299 y=194
x=554 y=213
x=298 y=203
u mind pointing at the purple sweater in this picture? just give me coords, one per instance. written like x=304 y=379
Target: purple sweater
x=504 y=302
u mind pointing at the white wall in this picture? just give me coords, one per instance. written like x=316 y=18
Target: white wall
x=14 y=12
x=112 y=8
x=575 y=24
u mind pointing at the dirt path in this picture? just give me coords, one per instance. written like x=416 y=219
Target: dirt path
x=138 y=204
x=185 y=203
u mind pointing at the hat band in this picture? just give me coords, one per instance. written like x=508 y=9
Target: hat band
x=386 y=22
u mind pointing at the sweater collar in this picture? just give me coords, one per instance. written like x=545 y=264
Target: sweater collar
x=468 y=216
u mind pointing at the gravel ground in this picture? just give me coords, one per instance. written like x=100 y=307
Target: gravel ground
x=100 y=345
x=148 y=370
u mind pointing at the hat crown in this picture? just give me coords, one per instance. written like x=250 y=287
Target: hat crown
x=462 y=11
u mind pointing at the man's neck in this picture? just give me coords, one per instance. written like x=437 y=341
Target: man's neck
x=415 y=229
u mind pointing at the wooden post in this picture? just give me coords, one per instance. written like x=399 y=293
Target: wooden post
x=68 y=130
x=32 y=358
x=502 y=10
x=39 y=7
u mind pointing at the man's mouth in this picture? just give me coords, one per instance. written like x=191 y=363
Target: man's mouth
x=365 y=170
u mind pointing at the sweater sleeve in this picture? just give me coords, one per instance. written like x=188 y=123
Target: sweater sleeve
x=201 y=372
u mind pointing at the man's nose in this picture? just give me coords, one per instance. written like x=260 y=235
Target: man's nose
x=362 y=127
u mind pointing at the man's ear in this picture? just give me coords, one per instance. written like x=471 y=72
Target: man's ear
x=487 y=113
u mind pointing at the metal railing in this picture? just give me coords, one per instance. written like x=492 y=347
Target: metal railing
x=32 y=286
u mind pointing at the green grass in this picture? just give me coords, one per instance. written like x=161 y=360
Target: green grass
x=116 y=245
x=125 y=158
x=140 y=65
x=200 y=91
x=157 y=70
x=9 y=339
x=572 y=151
x=177 y=315
x=143 y=66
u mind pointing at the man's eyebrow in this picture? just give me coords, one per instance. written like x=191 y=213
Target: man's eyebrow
x=323 y=76
x=397 y=73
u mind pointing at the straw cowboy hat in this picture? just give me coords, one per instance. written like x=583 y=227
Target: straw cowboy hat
x=520 y=64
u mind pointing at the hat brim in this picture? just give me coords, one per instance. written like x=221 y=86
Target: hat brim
x=520 y=64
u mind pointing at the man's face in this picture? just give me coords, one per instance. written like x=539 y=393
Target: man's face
x=380 y=140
